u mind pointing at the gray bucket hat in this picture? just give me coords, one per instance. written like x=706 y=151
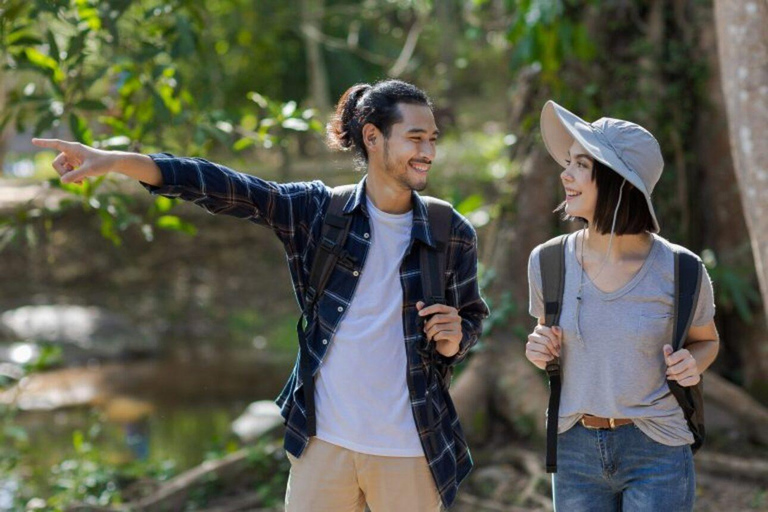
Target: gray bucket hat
x=627 y=148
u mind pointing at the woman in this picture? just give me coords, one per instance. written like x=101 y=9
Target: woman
x=623 y=441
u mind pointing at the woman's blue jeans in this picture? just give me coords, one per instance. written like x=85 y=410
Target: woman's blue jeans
x=621 y=470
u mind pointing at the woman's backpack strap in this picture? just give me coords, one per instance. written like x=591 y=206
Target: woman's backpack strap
x=552 y=263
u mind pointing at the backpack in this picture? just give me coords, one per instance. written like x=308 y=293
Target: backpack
x=331 y=252
x=687 y=283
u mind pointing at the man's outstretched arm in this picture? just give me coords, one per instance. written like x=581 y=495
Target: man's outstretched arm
x=286 y=208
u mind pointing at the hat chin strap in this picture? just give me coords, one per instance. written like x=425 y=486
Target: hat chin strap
x=615 y=215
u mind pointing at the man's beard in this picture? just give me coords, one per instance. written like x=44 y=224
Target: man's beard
x=392 y=169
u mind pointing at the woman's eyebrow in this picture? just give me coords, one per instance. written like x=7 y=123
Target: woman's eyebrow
x=580 y=155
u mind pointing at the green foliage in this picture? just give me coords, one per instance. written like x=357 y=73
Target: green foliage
x=274 y=122
x=120 y=74
x=275 y=332
x=85 y=478
x=14 y=440
x=547 y=33
x=735 y=288
x=269 y=461
x=502 y=309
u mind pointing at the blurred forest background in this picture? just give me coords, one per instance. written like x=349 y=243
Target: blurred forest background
x=135 y=330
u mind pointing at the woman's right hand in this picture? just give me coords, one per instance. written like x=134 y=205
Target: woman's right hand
x=544 y=344
x=76 y=161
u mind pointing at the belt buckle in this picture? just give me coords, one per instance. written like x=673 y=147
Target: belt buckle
x=611 y=424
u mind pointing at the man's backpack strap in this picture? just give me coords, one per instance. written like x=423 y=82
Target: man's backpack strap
x=330 y=248
x=330 y=251
x=433 y=261
x=688 y=273
x=552 y=264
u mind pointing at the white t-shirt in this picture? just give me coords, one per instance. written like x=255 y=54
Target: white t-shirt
x=361 y=389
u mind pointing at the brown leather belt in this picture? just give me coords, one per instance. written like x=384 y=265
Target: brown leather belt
x=597 y=423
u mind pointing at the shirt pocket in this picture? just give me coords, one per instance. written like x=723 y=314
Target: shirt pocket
x=653 y=330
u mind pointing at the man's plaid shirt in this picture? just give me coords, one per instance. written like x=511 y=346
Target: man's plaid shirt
x=295 y=212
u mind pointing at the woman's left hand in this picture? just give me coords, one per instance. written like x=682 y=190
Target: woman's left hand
x=681 y=366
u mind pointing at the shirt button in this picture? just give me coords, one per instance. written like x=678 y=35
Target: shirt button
x=355 y=273
x=340 y=309
x=367 y=235
x=325 y=342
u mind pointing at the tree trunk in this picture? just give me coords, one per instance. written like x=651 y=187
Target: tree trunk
x=500 y=382
x=743 y=48
x=743 y=346
x=311 y=23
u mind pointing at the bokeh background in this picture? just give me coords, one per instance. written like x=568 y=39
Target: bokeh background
x=134 y=330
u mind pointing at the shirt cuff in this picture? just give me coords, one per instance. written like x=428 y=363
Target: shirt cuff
x=464 y=345
x=164 y=162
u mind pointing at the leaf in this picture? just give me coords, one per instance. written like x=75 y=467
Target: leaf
x=89 y=104
x=23 y=39
x=316 y=126
x=470 y=204
x=258 y=99
x=77 y=440
x=298 y=125
x=108 y=228
x=174 y=223
x=80 y=129
x=163 y=204
x=243 y=143
x=43 y=62
x=117 y=142
x=76 y=45
x=54 y=47
x=89 y=15
x=289 y=108
x=73 y=189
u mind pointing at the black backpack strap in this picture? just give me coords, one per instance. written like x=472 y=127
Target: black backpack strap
x=330 y=249
x=552 y=264
x=687 y=287
x=688 y=276
x=432 y=264
x=433 y=261
x=329 y=252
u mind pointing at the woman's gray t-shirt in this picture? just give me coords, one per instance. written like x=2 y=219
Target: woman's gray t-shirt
x=618 y=370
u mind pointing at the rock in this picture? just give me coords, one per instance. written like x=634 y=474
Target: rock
x=83 y=333
x=258 y=419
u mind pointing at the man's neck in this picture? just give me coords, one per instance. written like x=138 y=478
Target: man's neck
x=387 y=195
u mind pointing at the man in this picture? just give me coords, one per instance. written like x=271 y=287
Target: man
x=377 y=429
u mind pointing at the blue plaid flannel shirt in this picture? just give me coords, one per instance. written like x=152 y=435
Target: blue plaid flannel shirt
x=295 y=212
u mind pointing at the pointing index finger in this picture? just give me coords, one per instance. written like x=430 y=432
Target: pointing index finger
x=56 y=144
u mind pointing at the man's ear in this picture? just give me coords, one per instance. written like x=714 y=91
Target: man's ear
x=371 y=136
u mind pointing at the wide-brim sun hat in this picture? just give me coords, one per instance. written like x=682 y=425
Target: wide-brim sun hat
x=625 y=147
